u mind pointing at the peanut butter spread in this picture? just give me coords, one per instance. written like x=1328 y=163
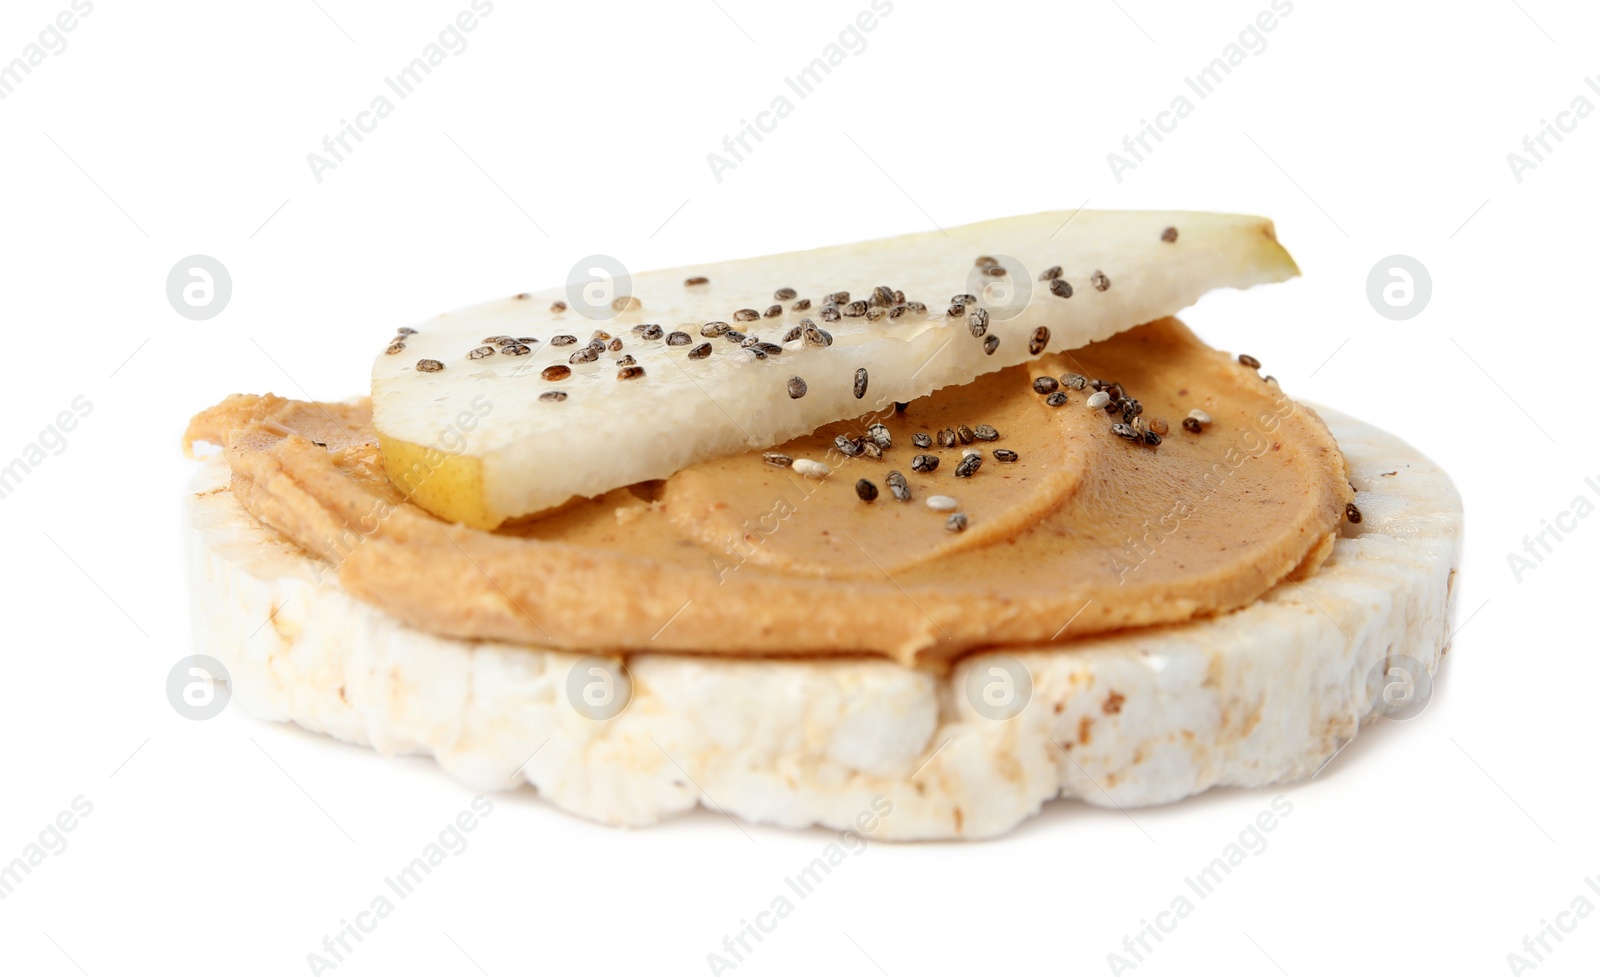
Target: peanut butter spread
x=1070 y=527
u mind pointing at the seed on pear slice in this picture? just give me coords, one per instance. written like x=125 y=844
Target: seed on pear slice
x=475 y=443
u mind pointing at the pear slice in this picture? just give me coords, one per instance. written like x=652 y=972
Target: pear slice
x=478 y=430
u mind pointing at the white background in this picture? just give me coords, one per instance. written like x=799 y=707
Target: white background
x=1364 y=128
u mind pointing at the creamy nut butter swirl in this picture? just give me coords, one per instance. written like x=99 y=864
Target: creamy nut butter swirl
x=1076 y=520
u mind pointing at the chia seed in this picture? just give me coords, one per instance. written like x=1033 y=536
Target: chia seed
x=478 y=353
x=1050 y=274
x=746 y=315
x=957 y=523
x=700 y=352
x=696 y=280
x=925 y=463
x=429 y=366
x=990 y=344
x=965 y=434
x=849 y=447
x=712 y=330
x=1004 y=456
x=1100 y=281
x=1169 y=235
x=563 y=340
x=1045 y=385
x=784 y=294
x=978 y=322
x=1351 y=512
x=777 y=459
x=898 y=486
x=797 y=388
x=677 y=338
x=921 y=440
x=553 y=396
x=1060 y=288
x=947 y=438
x=880 y=436
x=773 y=311
x=1056 y=399
x=1191 y=425
x=1250 y=361
x=865 y=490
x=984 y=432
x=969 y=466
x=860 y=386
x=556 y=372
x=630 y=372
x=800 y=306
